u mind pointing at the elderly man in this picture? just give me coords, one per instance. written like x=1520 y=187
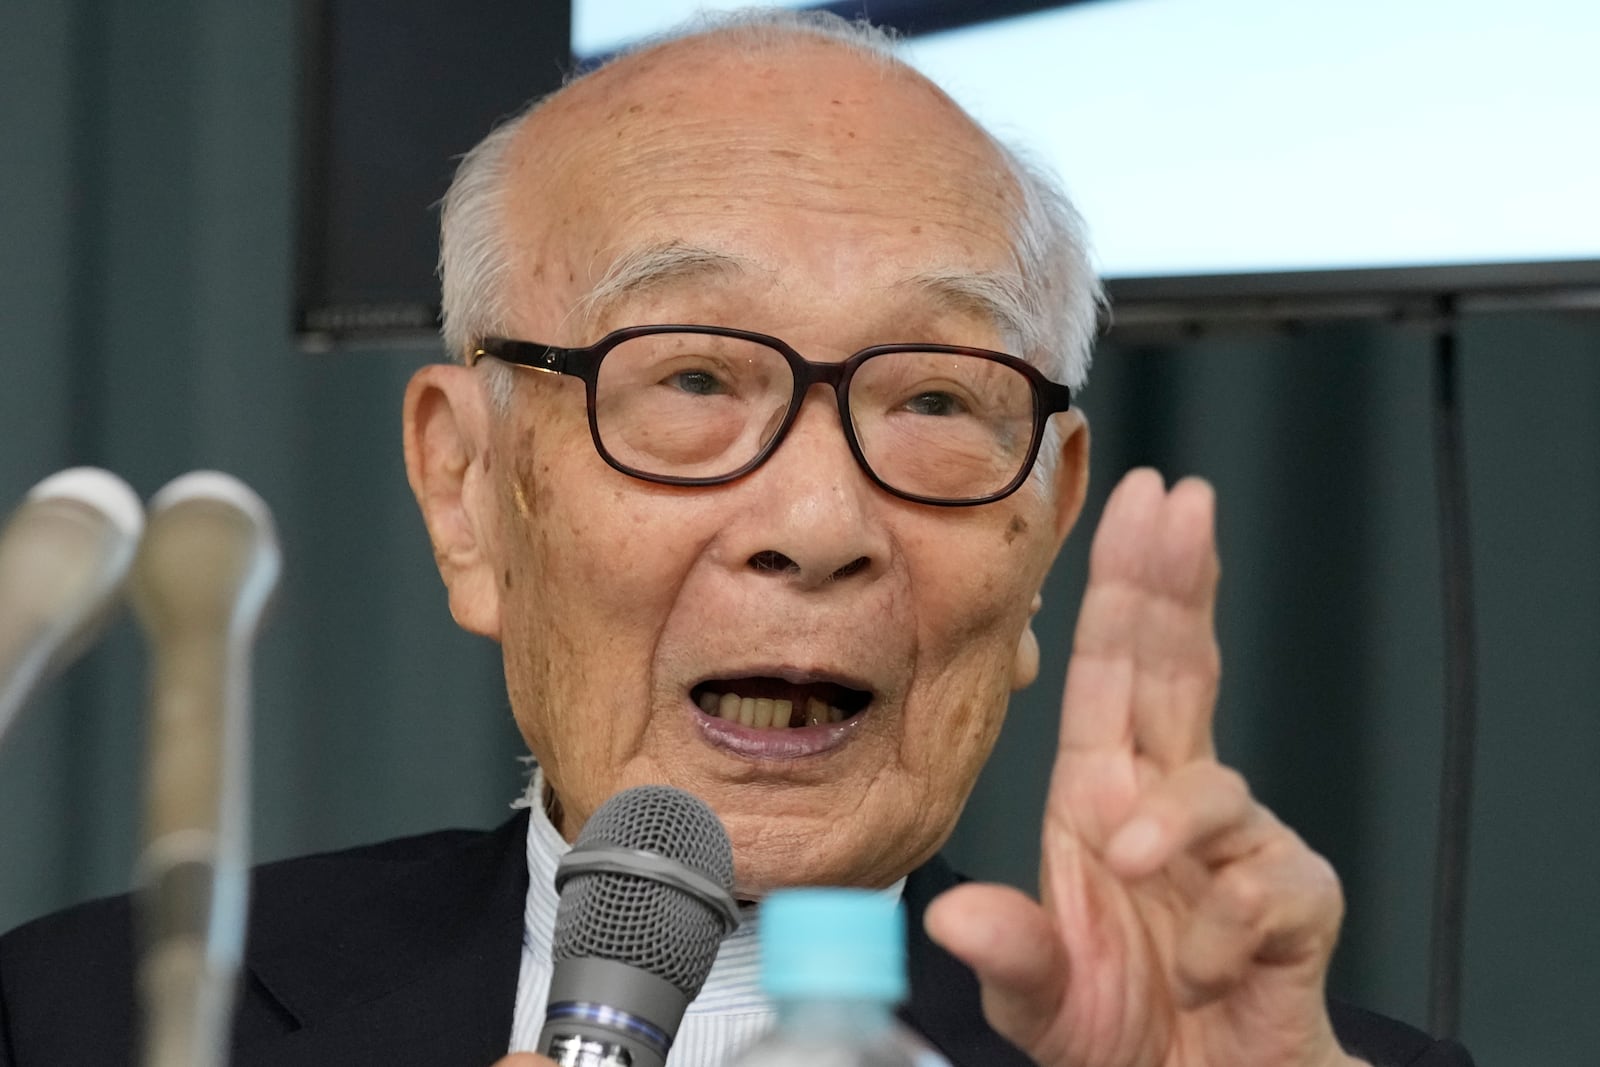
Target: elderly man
x=759 y=457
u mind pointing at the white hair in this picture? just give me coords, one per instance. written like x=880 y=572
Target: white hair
x=1059 y=297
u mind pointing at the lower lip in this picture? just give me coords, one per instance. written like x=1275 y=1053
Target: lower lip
x=794 y=742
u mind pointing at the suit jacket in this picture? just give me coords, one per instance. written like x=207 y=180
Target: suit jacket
x=405 y=954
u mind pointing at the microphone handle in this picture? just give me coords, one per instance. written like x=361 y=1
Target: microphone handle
x=192 y=867
x=205 y=570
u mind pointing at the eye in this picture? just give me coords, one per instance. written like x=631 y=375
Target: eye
x=695 y=382
x=935 y=403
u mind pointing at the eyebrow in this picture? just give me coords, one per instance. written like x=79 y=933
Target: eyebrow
x=642 y=269
x=1003 y=298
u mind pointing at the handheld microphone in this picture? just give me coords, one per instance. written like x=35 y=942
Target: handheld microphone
x=203 y=575
x=646 y=899
x=63 y=557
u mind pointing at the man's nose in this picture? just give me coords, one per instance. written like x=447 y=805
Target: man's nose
x=815 y=518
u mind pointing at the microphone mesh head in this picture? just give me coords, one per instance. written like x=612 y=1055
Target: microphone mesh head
x=638 y=921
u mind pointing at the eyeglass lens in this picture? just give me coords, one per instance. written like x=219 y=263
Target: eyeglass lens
x=938 y=425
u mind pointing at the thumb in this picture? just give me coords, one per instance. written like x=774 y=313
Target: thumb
x=1012 y=945
x=524 y=1059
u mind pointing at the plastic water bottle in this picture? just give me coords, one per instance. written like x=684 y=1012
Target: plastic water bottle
x=834 y=962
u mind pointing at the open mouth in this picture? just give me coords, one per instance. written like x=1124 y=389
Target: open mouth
x=776 y=704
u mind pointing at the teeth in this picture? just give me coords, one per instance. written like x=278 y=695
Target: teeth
x=765 y=712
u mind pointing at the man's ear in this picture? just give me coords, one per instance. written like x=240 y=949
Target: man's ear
x=1070 y=481
x=447 y=445
x=1025 y=668
x=1071 y=473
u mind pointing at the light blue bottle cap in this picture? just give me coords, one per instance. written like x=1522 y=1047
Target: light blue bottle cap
x=845 y=943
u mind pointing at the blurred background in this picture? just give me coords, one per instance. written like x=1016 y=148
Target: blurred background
x=186 y=203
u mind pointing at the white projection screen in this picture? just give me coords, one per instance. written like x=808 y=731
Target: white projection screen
x=1262 y=148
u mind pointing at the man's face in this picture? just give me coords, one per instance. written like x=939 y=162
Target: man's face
x=826 y=192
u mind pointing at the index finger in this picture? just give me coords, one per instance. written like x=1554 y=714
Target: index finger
x=1144 y=667
x=1097 y=704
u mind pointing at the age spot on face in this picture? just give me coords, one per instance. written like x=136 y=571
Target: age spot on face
x=1016 y=528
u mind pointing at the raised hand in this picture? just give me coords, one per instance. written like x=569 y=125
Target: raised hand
x=1179 y=923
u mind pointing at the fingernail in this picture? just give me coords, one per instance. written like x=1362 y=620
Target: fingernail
x=1137 y=843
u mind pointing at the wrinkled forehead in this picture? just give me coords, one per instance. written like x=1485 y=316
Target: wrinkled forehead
x=800 y=166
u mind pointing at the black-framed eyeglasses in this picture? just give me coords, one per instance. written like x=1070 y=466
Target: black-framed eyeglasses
x=703 y=405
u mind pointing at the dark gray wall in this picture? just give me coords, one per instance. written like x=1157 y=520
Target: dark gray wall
x=148 y=177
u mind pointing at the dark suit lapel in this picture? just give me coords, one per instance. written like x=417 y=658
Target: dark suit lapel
x=391 y=962
x=944 y=1005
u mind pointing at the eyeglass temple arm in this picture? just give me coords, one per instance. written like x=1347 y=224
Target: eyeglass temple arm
x=1056 y=397
x=547 y=358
